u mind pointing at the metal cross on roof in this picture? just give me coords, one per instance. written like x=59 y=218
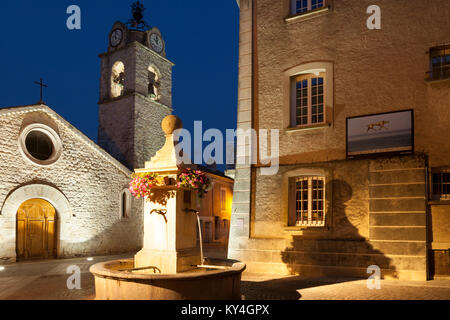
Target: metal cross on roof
x=42 y=85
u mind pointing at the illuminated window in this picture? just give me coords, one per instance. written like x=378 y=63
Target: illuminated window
x=309 y=99
x=302 y=6
x=308 y=201
x=441 y=184
x=118 y=80
x=439 y=63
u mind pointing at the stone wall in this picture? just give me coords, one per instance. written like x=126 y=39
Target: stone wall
x=375 y=71
x=116 y=129
x=84 y=185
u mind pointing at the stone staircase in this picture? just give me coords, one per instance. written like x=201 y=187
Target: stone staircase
x=398 y=215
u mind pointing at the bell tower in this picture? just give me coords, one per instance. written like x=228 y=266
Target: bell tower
x=135 y=91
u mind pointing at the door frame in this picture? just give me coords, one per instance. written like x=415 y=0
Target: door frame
x=54 y=255
x=35 y=191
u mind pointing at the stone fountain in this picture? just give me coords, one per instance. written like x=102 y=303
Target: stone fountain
x=169 y=266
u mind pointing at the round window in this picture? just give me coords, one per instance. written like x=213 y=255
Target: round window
x=39 y=145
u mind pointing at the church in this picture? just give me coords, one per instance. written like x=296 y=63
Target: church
x=61 y=194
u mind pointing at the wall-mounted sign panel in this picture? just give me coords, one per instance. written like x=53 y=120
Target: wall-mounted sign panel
x=391 y=132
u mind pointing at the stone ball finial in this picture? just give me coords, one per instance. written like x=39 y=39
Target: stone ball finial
x=171 y=123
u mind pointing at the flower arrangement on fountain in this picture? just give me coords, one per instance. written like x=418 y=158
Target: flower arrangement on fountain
x=195 y=180
x=142 y=184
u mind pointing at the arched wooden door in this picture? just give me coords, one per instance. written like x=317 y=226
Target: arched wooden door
x=36 y=230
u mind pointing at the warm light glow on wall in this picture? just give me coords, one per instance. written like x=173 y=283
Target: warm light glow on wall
x=229 y=205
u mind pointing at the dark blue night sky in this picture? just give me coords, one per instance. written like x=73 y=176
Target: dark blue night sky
x=201 y=39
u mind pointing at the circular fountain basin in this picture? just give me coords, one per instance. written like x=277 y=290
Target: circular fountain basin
x=218 y=280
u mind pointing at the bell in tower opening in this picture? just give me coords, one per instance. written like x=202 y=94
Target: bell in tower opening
x=135 y=91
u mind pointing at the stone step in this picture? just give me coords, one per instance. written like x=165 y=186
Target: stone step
x=398 y=233
x=332 y=246
x=353 y=260
x=330 y=271
x=335 y=246
x=401 y=190
x=395 y=163
x=397 y=205
x=397 y=208
x=400 y=248
x=397 y=177
x=397 y=219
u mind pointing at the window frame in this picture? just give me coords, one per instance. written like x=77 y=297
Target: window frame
x=125 y=213
x=37 y=142
x=294 y=220
x=51 y=134
x=293 y=7
x=326 y=67
x=443 y=72
x=309 y=78
x=287 y=194
x=439 y=196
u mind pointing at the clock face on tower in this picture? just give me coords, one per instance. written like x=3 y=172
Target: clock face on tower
x=116 y=37
x=156 y=43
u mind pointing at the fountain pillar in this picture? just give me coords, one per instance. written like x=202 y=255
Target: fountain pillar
x=170 y=228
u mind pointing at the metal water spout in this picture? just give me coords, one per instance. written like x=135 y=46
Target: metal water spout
x=201 y=239
x=199 y=232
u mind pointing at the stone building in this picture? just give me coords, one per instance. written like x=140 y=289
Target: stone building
x=215 y=211
x=62 y=195
x=363 y=121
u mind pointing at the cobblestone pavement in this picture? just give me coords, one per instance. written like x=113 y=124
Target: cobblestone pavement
x=272 y=287
x=47 y=280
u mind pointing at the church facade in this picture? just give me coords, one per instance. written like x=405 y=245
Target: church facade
x=363 y=121
x=61 y=194
x=84 y=208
